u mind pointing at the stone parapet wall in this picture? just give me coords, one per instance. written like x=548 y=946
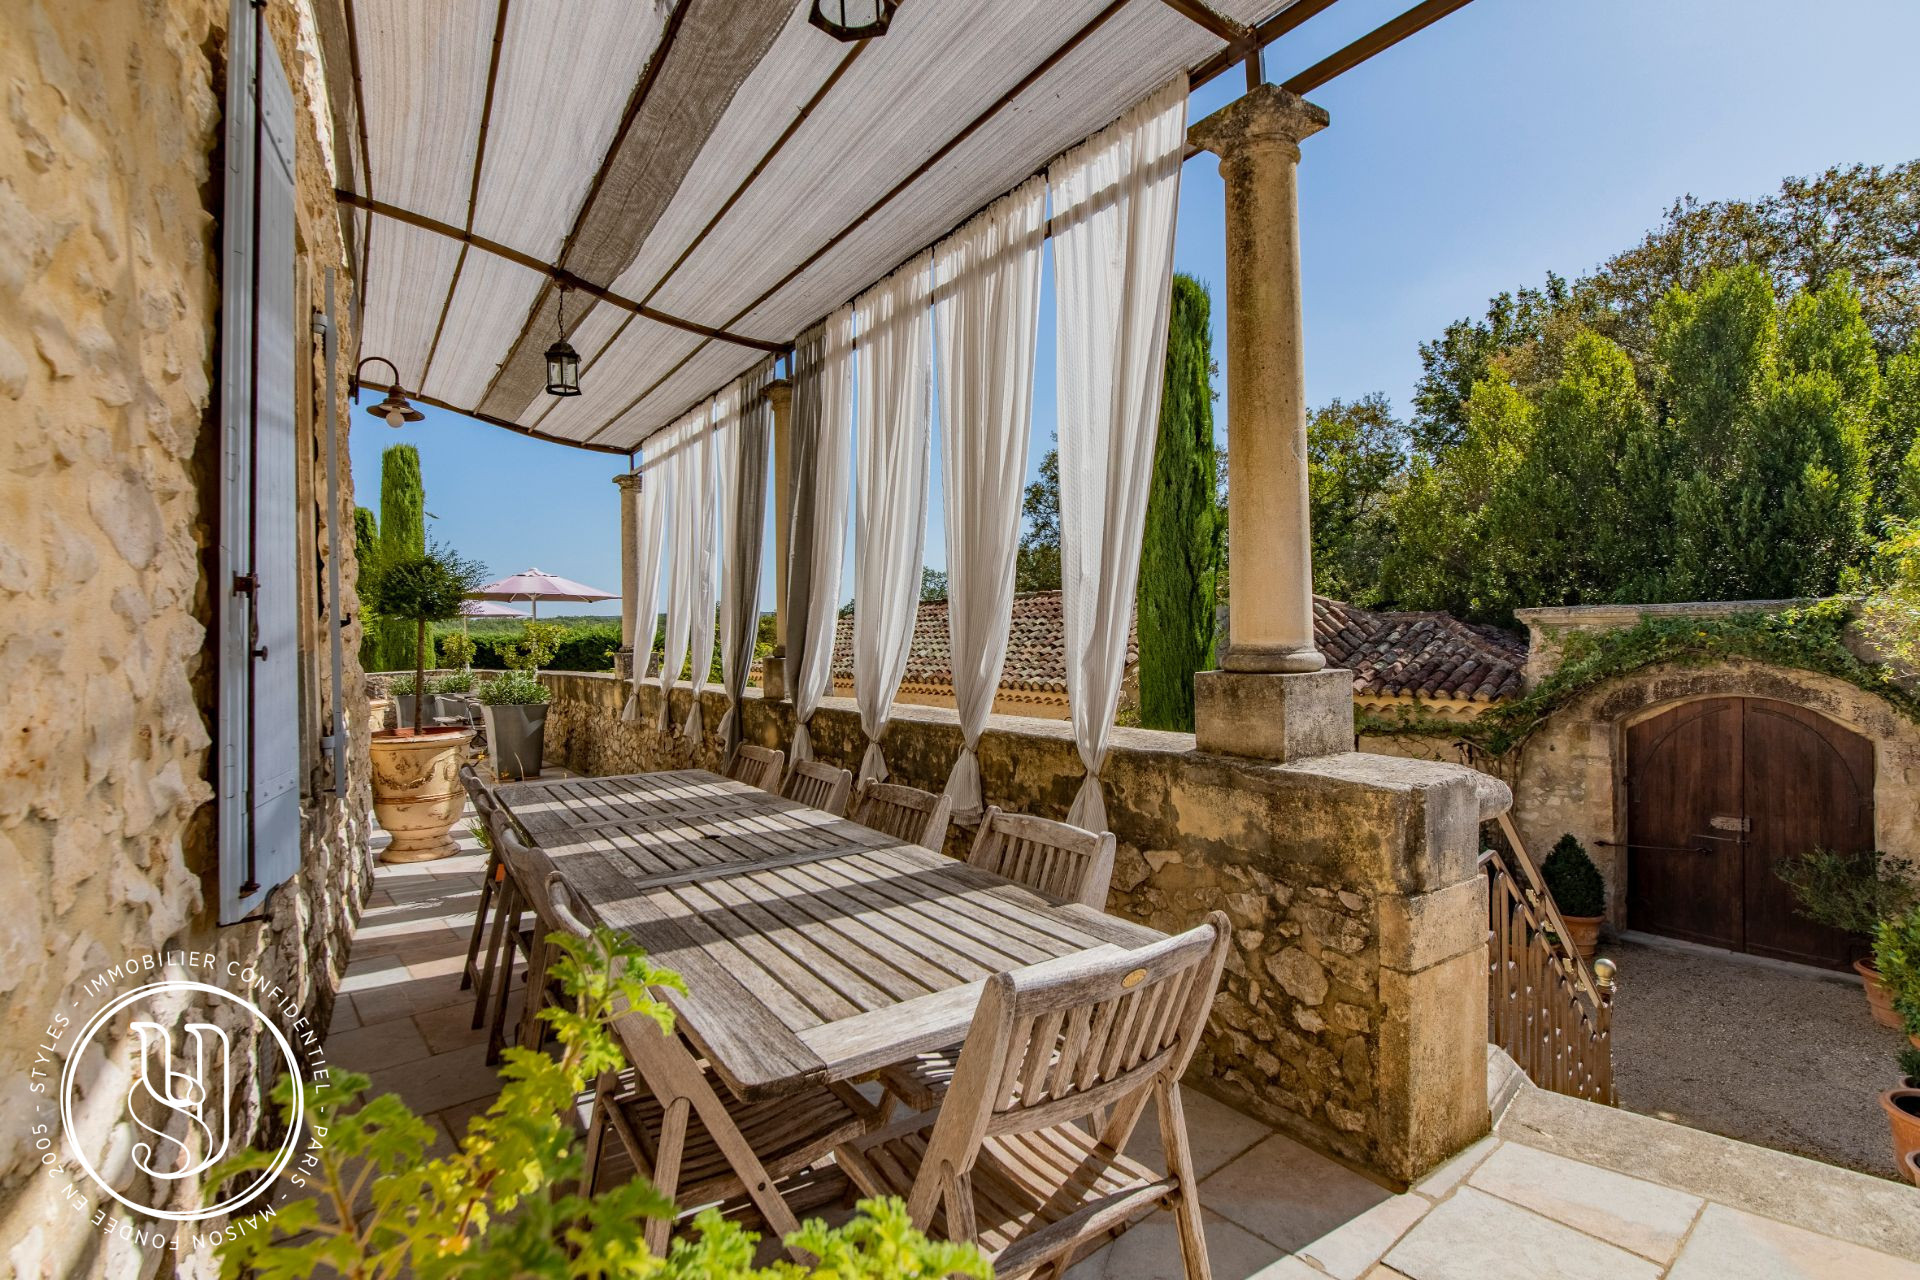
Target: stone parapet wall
x=109 y=464
x=1350 y=880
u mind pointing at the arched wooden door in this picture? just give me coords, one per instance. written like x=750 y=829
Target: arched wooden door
x=1718 y=792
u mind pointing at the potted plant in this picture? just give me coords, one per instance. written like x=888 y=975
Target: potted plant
x=1579 y=891
x=1854 y=892
x=416 y=784
x=515 y=704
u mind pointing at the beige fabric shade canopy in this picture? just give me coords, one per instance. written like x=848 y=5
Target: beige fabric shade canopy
x=705 y=177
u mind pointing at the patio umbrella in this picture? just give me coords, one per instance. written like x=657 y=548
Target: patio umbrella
x=534 y=585
x=488 y=609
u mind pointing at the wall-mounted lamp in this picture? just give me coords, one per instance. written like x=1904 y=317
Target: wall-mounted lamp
x=395 y=410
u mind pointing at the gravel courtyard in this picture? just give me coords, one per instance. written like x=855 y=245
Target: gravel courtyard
x=1778 y=1055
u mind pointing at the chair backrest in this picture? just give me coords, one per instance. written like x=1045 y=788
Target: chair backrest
x=571 y=915
x=905 y=813
x=821 y=785
x=1048 y=857
x=1060 y=1040
x=530 y=871
x=757 y=767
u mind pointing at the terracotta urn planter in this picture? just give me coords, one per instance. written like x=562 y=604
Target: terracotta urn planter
x=417 y=792
x=1912 y=1169
x=1879 y=999
x=1583 y=934
x=1903 y=1115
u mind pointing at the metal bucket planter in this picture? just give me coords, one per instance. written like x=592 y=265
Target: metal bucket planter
x=417 y=792
x=516 y=737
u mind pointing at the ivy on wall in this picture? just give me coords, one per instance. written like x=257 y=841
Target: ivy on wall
x=1807 y=638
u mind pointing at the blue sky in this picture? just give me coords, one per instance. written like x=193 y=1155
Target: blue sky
x=1513 y=138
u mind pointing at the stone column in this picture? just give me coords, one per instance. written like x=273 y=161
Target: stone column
x=1256 y=706
x=773 y=680
x=629 y=569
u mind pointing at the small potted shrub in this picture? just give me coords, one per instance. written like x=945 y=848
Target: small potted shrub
x=416 y=785
x=1579 y=891
x=1854 y=892
x=515 y=704
x=1896 y=952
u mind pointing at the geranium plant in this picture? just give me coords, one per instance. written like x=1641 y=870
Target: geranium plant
x=494 y=1206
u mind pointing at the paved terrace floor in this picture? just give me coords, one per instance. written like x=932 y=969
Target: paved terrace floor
x=1561 y=1189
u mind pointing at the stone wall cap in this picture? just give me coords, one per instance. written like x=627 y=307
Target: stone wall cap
x=1588 y=614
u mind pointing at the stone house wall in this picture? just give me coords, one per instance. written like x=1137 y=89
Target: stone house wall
x=1350 y=880
x=109 y=294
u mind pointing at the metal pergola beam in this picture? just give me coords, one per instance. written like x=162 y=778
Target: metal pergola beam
x=1380 y=39
x=558 y=275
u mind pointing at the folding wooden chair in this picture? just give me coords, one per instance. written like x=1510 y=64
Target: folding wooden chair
x=905 y=813
x=525 y=891
x=1003 y=1164
x=1048 y=857
x=757 y=766
x=820 y=785
x=483 y=808
x=679 y=1127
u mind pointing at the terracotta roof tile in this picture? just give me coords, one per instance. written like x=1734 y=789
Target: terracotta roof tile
x=1433 y=655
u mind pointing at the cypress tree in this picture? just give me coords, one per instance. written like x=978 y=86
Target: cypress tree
x=1180 y=554
x=366 y=548
x=403 y=534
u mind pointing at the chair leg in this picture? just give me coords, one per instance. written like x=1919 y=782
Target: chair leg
x=531 y=1024
x=503 y=985
x=479 y=923
x=597 y=1123
x=504 y=912
x=666 y=1169
x=1186 y=1205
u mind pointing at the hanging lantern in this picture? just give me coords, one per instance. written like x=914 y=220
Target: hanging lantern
x=395 y=411
x=563 y=362
x=853 y=19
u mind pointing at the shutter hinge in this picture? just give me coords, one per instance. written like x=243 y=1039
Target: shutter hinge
x=321 y=325
x=246 y=584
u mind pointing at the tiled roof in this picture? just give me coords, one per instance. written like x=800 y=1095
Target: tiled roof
x=1036 y=646
x=1432 y=655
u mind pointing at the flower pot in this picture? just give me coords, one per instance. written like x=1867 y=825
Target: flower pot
x=516 y=737
x=1583 y=934
x=417 y=792
x=1903 y=1115
x=1912 y=1169
x=1879 y=999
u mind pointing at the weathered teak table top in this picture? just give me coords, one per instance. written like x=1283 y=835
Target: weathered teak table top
x=813 y=948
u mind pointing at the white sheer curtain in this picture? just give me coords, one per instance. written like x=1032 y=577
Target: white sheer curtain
x=720 y=419
x=1114 y=202
x=893 y=424
x=986 y=314
x=743 y=514
x=822 y=417
x=678 y=449
x=650 y=527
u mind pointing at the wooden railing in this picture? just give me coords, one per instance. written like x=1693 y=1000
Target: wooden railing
x=1546 y=1008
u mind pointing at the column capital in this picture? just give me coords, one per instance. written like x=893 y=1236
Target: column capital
x=779 y=393
x=1267 y=114
x=629 y=481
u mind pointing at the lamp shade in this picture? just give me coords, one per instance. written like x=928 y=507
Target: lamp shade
x=853 y=19
x=563 y=369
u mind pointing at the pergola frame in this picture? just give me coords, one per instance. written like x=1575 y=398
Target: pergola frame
x=1241 y=44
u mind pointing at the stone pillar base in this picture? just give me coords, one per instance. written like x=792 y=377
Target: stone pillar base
x=1273 y=716
x=773 y=678
x=623 y=663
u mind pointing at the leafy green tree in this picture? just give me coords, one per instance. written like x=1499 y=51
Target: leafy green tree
x=1467 y=353
x=1356 y=461
x=419 y=590
x=1892 y=435
x=1037 y=563
x=1181 y=546
x=403 y=533
x=1770 y=415
x=933 y=583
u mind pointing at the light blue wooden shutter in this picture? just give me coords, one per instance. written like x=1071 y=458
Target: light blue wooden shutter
x=259 y=748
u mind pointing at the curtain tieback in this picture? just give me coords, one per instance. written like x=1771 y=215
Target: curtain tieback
x=963 y=784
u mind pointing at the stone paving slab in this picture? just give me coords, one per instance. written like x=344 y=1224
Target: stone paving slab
x=1561 y=1189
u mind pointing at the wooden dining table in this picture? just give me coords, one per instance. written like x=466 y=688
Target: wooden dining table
x=814 y=950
